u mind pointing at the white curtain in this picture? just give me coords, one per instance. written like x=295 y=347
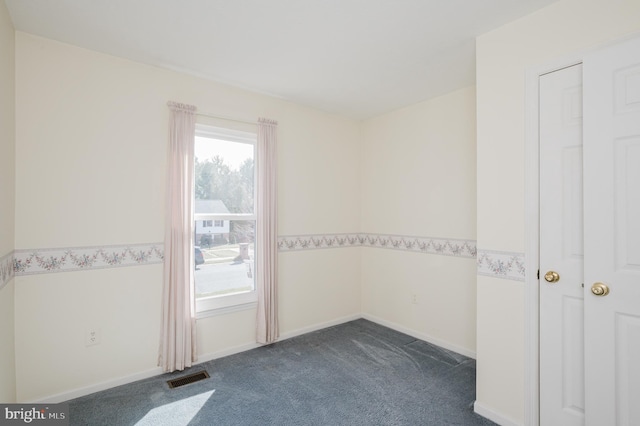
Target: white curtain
x=178 y=328
x=267 y=233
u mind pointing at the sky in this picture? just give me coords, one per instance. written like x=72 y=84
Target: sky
x=234 y=153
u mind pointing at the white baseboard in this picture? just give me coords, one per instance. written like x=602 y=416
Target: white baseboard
x=76 y=393
x=493 y=416
x=226 y=352
x=283 y=336
x=86 y=390
x=421 y=336
x=316 y=327
x=108 y=384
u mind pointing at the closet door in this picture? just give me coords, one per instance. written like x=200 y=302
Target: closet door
x=612 y=235
x=561 y=249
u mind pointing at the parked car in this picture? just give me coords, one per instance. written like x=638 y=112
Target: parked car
x=198 y=256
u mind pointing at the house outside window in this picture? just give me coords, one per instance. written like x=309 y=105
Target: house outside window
x=211 y=232
x=224 y=218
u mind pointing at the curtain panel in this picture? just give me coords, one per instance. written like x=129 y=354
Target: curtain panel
x=178 y=327
x=267 y=231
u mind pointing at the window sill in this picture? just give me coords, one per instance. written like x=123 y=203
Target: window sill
x=226 y=310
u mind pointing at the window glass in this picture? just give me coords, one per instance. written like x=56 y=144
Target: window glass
x=225 y=221
x=224 y=173
x=228 y=268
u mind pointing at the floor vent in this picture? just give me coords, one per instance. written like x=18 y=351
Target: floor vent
x=191 y=378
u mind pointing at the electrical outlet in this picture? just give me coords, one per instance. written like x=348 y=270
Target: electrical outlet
x=92 y=337
x=414 y=299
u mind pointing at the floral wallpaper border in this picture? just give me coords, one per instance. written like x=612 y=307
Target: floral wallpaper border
x=441 y=246
x=429 y=245
x=500 y=264
x=42 y=261
x=6 y=269
x=310 y=242
x=507 y=265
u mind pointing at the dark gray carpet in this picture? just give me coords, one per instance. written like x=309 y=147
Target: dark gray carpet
x=358 y=373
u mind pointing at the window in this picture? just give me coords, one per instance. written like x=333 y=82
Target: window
x=224 y=193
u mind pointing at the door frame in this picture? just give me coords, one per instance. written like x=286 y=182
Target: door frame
x=532 y=234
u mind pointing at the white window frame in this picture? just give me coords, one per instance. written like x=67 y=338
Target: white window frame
x=217 y=305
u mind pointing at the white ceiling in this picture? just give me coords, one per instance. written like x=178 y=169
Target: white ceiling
x=358 y=58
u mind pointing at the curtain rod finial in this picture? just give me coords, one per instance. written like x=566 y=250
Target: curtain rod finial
x=180 y=106
x=267 y=121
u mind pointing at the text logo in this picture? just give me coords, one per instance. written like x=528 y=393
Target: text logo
x=34 y=414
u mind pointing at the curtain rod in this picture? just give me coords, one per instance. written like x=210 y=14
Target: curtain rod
x=221 y=117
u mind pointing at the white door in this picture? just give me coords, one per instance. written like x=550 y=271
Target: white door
x=561 y=249
x=590 y=336
x=612 y=235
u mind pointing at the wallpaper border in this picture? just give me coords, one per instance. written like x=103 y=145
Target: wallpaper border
x=50 y=260
x=428 y=245
x=68 y=259
x=6 y=269
x=501 y=264
x=318 y=241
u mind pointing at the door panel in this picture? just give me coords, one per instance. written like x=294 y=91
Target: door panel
x=573 y=357
x=628 y=371
x=561 y=249
x=572 y=203
x=612 y=234
x=627 y=170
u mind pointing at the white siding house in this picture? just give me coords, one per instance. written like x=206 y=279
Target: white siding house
x=217 y=230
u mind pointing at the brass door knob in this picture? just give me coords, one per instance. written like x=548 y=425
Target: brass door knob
x=552 y=277
x=600 y=289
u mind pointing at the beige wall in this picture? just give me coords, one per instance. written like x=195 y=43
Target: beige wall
x=418 y=179
x=7 y=205
x=7 y=349
x=96 y=160
x=90 y=151
x=503 y=58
